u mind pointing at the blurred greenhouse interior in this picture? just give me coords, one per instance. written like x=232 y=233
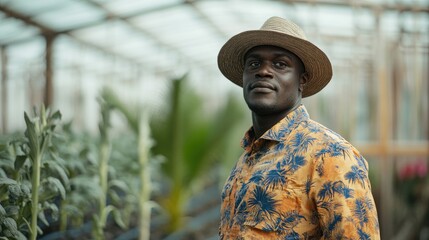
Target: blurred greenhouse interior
x=150 y=128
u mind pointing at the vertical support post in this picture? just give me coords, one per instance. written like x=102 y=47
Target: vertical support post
x=49 y=91
x=4 y=96
x=384 y=126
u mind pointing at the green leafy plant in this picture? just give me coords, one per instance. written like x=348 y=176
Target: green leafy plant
x=31 y=177
x=112 y=185
x=39 y=132
x=100 y=219
x=138 y=122
x=78 y=152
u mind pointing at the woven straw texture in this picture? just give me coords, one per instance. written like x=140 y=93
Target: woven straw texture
x=282 y=33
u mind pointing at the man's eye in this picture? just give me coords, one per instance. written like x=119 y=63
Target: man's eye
x=280 y=64
x=254 y=64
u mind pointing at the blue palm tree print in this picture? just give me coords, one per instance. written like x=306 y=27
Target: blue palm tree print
x=240 y=195
x=313 y=128
x=225 y=191
x=257 y=177
x=302 y=141
x=331 y=228
x=261 y=203
x=297 y=162
x=242 y=212
x=287 y=221
x=327 y=190
x=322 y=152
x=361 y=162
x=356 y=175
x=281 y=146
x=361 y=211
x=330 y=188
x=308 y=185
x=232 y=174
x=335 y=220
x=320 y=170
x=363 y=235
x=276 y=177
x=336 y=149
x=369 y=203
x=292 y=236
x=278 y=134
x=293 y=162
x=328 y=205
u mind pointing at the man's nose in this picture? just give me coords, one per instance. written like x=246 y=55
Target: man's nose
x=264 y=71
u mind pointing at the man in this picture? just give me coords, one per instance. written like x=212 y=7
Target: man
x=296 y=178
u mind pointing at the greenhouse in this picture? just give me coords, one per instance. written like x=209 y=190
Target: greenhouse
x=116 y=111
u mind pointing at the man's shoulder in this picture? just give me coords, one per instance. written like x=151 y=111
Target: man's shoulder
x=324 y=138
x=322 y=132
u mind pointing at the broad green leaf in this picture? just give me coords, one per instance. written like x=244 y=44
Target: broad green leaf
x=19 y=161
x=42 y=218
x=58 y=185
x=119 y=184
x=12 y=210
x=114 y=197
x=14 y=191
x=105 y=213
x=10 y=224
x=5 y=155
x=53 y=209
x=118 y=219
x=61 y=172
x=2 y=173
x=56 y=115
x=32 y=134
x=20 y=236
x=2 y=211
x=7 y=181
x=25 y=191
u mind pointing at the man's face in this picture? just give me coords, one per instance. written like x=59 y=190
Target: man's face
x=272 y=80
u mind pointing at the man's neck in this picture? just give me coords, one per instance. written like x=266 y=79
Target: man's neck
x=262 y=123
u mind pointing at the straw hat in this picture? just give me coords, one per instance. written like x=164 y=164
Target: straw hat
x=282 y=33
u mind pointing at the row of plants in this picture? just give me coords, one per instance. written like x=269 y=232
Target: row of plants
x=54 y=179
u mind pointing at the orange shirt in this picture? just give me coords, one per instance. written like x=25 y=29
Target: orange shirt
x=299 y=180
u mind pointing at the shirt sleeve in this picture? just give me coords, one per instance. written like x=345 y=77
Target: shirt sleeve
x=342 y=193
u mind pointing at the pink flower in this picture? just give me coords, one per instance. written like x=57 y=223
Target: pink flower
x=421 y=168
x=406 y=172
x=414 y=169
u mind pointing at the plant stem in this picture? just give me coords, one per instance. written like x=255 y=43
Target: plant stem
x=63 y=216
x=176 y=195
x=103 y=174
x=104 y=155
x=145 y=184
x=35 y=195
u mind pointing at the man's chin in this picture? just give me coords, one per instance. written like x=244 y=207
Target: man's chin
x=261 y=109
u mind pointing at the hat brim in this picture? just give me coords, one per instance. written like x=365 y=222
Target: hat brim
x=317 y=64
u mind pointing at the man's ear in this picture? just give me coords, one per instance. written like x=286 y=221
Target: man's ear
x=302 y=81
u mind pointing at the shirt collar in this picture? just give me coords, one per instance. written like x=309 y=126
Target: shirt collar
x=279 y=131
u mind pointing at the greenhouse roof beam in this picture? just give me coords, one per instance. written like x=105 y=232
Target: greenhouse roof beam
x=207 y=19
x=112 y=15
x=27 y=20
x=50 y=32
x=364 y=4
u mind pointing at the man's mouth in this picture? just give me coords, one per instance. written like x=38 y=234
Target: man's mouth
x=262 y=87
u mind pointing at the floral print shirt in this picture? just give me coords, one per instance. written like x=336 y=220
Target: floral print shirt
x=300 y=180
